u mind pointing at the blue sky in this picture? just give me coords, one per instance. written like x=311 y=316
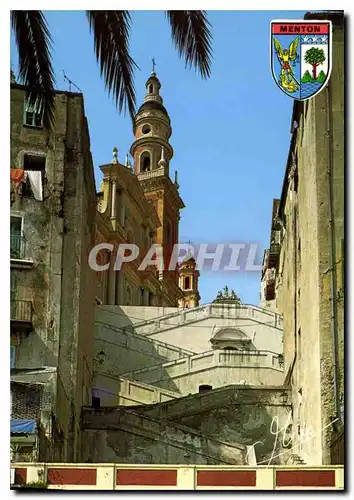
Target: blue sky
x=231 y=133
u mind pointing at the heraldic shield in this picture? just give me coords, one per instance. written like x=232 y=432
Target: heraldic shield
x=301 y=53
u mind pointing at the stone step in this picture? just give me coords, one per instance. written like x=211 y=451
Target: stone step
x=175 y=441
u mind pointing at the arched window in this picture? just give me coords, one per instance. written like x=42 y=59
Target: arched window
x=145 y=162
x=151 y=88
x=187 y=283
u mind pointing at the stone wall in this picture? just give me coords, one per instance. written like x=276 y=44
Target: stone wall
x=214 y=368
x=54 y=274
x=217 y=427
x=304 y=294
x=194 y=328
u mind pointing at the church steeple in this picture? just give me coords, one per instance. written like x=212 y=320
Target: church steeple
x=152 y=153
x=152 y=130
x=188 y=282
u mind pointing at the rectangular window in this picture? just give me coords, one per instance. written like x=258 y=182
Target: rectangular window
x=16 y=238
x=33 y=163
x=33 y=112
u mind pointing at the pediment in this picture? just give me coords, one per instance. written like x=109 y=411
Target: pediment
x=231 y=334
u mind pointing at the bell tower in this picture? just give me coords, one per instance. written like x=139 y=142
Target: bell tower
x=152 y=155
x=188 y=282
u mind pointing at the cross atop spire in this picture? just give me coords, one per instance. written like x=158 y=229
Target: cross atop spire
x=153 y=64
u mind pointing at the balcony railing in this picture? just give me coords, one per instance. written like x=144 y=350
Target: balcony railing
x=17 y=247
x=21 y=315
x=274 y=248
x=158 y=172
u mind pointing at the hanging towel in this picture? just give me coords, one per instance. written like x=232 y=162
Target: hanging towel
x=17 y=175
x=35 y=178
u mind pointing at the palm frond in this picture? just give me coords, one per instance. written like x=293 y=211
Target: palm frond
x=111 y=31
x=192 y=38
x=35 y=68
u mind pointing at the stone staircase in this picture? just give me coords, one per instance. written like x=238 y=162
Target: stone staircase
x=195 y=404
x=235 y=366
x=210 y=428
x=189 y=316
x=161 y=441
x=153 y=418
x=116 y=390
x=126 y=336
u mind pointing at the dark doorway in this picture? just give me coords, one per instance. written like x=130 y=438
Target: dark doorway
x=205 y=388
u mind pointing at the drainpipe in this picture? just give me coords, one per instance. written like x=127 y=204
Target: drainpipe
x=332 y=255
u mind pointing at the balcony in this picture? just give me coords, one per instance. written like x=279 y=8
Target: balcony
x=273 y=256
x=21 y=316
x=269 y=289
x=18 y=251
x=150 y=174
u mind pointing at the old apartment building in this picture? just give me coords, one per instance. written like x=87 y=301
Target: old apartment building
x=52 y=287
x=303 y=275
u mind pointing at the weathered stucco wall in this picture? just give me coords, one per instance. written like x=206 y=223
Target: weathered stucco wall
x=304 y=294
x=216 y=427
x=59 y=233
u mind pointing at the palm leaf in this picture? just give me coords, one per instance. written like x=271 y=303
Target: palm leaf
x=33 y=42
x=192 y=38
x=111 y=39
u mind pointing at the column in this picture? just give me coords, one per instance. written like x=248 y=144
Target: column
x=114 y=195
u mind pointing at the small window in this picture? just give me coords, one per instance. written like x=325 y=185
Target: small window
x=33 y=113
x=16 y=239
x=187 y=283
x=96 y=402
x=33 y=163
x=205 y=388
x=151 y=88
x=146 y=129
x=145 y=162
